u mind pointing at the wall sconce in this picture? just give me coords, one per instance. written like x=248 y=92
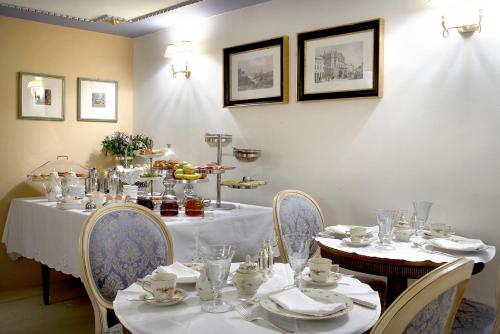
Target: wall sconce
x=460 y=8
x=180 y=55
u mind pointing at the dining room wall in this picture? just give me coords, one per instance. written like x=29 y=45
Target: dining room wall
x=433 y=135
x=26 y=144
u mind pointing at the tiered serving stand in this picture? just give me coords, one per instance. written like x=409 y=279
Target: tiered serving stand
x=219 y=141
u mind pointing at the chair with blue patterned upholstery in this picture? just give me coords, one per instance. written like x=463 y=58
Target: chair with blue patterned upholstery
x=296 y=212
x=477 y=318
x=429 y=305
x=120 y=243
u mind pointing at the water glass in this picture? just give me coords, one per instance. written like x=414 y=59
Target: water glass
x=297 y=249
x=385 y=220
x=422 y=210
x=218 y=262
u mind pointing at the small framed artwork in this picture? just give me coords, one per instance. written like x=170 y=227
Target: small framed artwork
x=97 y=100
x=41 y=97
x=256 y=73
x=340 y=62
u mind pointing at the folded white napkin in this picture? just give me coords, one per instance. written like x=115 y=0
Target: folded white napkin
x=295 y=301
x=184 y=274
x=458 y=244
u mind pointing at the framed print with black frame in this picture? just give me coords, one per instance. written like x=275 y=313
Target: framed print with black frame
x=97 y=100
x=41 y=96
x=256 y=73
x=341 y=62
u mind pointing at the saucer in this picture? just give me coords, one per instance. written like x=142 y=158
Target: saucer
x=179 y=295
x=362 y=243
x=333 y=278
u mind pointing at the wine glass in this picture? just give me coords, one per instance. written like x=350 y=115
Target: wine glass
x=385 y=220
x=218 y=262
x=297 y=249
x=422 y=210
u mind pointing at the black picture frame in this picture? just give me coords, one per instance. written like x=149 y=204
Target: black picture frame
x=344 y=31
x=282 y=97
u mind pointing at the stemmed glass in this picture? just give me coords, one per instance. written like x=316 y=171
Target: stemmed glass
x=422 y=210
x=385 y=220
x=218 y=262
x=297 y=249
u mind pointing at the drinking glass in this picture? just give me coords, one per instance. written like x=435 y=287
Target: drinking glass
x=385 y=220
x=297 y=249
x=218 y=262
x=422 y=210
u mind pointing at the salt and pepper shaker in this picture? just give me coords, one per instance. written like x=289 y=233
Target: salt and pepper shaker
x=266 y=259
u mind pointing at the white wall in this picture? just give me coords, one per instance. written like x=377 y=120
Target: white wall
x=433 y=136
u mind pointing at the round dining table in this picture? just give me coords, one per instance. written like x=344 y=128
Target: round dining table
x=187 y=316
x=400 y=262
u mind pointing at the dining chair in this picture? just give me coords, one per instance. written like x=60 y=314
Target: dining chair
x=475 y=317
x=295 y=211
x=429 y=305
x=120 y=243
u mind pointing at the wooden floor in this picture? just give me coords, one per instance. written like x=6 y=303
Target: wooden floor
x=70 y=310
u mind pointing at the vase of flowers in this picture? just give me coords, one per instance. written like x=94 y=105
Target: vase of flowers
x=123 y=146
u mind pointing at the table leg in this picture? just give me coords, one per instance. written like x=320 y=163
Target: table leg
x=395 y=286
x=45 y=283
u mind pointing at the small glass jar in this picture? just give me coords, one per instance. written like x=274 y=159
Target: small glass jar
x=169 y=206
x=194 y=206
x=146 y=201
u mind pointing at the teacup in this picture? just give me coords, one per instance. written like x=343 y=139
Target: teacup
x=440 y=230
x=403 y=234
x=320 y=269
x=160 y=285
x=357 y=233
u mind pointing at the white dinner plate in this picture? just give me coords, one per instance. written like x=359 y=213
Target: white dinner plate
x=458 y=241
x=333 y=278
x=322 y=296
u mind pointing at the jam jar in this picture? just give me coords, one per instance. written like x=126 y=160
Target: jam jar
x=146 y=201
x=169 y=206
x=194 y=206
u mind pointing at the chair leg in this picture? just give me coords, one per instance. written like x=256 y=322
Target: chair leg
x=45 y=283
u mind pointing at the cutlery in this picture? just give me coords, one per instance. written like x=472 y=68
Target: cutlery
x=363 y=303
x=246 y=315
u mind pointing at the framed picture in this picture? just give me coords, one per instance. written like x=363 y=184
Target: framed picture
x=41 y=97
x=97 y=100
x=256 y=73
x=340 y=62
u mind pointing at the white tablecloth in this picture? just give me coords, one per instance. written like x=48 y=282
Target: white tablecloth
x=408 y=252
x=36 y=229
x=187 y=316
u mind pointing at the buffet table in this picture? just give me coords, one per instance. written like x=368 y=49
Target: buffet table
x=399 y=264
x=187 y=316
x=37 y=230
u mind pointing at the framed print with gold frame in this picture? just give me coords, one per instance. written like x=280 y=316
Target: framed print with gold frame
x=256 y=73
x=97 y=100
x=41 y=97
x=341 y=62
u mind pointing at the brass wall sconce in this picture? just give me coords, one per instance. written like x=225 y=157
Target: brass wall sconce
x=463 y=29
x=180 y=54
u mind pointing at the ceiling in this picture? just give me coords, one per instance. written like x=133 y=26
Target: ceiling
x=130 y=18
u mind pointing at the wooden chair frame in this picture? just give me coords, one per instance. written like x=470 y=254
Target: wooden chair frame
x=403 y=310
x=496 y=328
x=277 y=227
x=99 y=304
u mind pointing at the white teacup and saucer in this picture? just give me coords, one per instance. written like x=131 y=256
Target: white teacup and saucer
x=162 y=289
x=321 y=272
x=358 y=237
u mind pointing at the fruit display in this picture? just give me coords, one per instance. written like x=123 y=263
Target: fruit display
x=187 y=171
